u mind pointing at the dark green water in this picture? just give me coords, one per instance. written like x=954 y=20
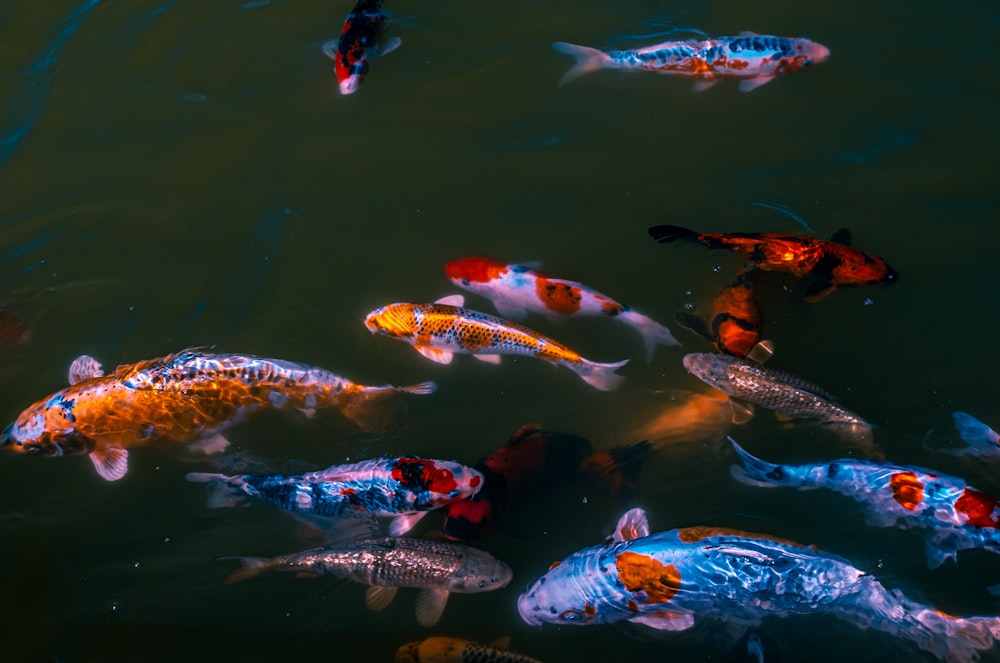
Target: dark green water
x=179 y=174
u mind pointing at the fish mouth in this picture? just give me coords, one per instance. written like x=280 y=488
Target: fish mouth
x=528 y=614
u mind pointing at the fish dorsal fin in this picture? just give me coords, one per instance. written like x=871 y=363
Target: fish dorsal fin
x=842 y=236
x=400 y=525
x=430 y=606
x=451 y=300
x=693 y=323
x=111 y=464
x=742 y=412
x=761 y=351
x=83 y=368
x=488 y=359
x=632 y=525
x=434 y=354
x=666 y=620
x=378 y=597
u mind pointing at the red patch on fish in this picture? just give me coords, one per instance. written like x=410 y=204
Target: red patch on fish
x=417 y=473
x=978 y=508
x=475 y=270
x=560 y=298
x=907 y=490
x=641 y=573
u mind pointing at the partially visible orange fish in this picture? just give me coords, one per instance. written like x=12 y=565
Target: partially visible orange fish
x=12 y=330
x=690 y=416
x=439 y=330
x=736 y=318
x=186 y=397
x=828 y=264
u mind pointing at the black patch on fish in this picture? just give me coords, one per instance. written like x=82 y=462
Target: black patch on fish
x=833 y=470
x=778 y=473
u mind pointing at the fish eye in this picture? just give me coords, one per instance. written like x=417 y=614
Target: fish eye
x=32 y=448
x=483 y=583
x=465 y=281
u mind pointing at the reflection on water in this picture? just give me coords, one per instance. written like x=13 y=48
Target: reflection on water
x=186 y=174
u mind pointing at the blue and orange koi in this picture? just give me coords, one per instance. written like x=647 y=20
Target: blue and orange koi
x=752 y=59
x=517 y=289
x=954 y=515
x=532 y=461
x=404 y=489
x=826 y=264
x=669 y=579
x=361 y=41
x=439 y=330
x=185 y=397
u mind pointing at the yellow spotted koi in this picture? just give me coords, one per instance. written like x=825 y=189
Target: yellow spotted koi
x=667 y=580
x=440 y=649
x=185 y=397
x=439 y=330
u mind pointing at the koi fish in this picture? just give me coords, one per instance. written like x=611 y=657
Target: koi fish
x=456 y=650
x=439 y=330
x=12 y=330
x=752 y=59
x=669 y=579
x=982 y=440
x=827 y=264
x=436 y=568
x=748 y=384
x=531 y=461
x=517 y=289
x=361 y=41
x=690 y=417
x=185 y=397
x=954 y=515
x=736 y=320
x=405 y=489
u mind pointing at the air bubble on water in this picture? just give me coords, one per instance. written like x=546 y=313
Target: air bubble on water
x=689 y=306
x=114 y=606
x=131 y=309
x=584 y=500
x=135 y=565
x=869 y=301
x=166 y=539
x=716 y=267
x=688 y=293
x=879 y=564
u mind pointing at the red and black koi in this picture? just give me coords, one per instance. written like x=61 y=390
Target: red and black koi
x=532 y=461
x=361 y=41
x=828 y=264
x=736 y=318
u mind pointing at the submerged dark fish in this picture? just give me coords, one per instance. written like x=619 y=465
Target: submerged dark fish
x=827 y=264
x=436 y=568
x=530 y=462
x=186 y=397
x=456 y=650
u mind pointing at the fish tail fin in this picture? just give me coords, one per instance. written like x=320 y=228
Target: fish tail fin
x=587 y=60
x=757 y=472
x=250 y=567
x=419 y=389
x=618 y=467
x=652 y=332
x=597 y=375
x=975 y=433
x=666 y=234
x=226 y=491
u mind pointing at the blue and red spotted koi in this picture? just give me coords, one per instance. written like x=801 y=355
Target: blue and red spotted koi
x=405 y=489
x=752 y=59
x=953 y=515
x=981 y=440
x=439 y=330
x=517 y=289
x=669 y=579
x=185 y=397
x=361 y=41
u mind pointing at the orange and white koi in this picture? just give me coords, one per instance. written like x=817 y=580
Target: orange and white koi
x=954 y=515
x=439 y=330
x=517 y=289
x=361 y=41
x=668 y=580
x=752 y=59
x=185 y=397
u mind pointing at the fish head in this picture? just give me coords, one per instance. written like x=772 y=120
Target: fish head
x=395 y=320
x=479 y=572
x=47 y=428
x=475 y=274
x=563 y=595
x=436 y=483
x=807 y=53
x=710 y=368
x=350 y=84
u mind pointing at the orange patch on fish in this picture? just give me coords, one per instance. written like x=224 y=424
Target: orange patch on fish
x=978 y=508
x=641 y=573
x=694 y=534
x=907 y=490
x=560 y=298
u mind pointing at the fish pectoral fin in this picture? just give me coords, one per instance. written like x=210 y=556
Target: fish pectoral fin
x=509 y=310
x=503 y=642
x=211 y=444
x=378 y=597
x=693 y=323
x=330 y=49
x=666 y=620
x=111 y=464
x=488 y=359
x=761 y=351
x=389 y=46
x=819 y=289
x=748 y=84
x=742 y=412
x=400 y=525
x=430 y=606
x=451 y=300
x=83 y=368
x=701 y=86
x=434 y=354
